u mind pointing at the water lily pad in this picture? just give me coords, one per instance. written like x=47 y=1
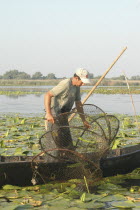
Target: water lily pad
x=11 y=187
x=12 y=195
x=59 y=202
x=92 y=205
x=124 y=204
x=116 y=197
x=27 y=206
x=10 y=206
x=86 y=197
x=74 y=194
x=76 y=208
x=31 y=188
x=137 y=204
x=35 y=203
x=109 y=186
x=2 y=195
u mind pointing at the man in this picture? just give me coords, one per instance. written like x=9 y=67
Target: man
x=60 y=100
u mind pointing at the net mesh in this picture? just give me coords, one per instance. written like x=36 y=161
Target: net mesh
x=77 y=148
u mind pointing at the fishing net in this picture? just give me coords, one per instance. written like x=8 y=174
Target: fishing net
x=76 y=150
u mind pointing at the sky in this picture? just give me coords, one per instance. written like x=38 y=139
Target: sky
x=59 y=36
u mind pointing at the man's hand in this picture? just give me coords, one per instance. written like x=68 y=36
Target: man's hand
x=47 y=102
x=86 y=124
x=49 y=118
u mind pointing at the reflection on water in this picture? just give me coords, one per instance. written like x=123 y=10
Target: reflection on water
x=117 y=103
x=15 y=96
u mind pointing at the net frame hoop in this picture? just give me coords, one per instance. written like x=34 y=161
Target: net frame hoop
x=84 y=130
x=79 y=155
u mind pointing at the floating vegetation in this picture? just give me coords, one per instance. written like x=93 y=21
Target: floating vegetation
x=98 y=90
x=115 y=90
x=19 y=92
x=106 y=194
x=19 y=135
x=42 y=82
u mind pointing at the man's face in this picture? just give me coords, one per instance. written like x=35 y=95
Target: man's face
x=79 y=82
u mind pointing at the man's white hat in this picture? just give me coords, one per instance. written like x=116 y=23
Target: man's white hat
x=83 y=74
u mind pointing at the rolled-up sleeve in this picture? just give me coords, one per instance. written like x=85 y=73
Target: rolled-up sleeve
x=60 y=88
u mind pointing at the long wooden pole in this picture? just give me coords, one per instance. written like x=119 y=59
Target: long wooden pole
x=100 y=80
x=102 y=77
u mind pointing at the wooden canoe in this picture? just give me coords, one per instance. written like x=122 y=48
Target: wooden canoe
x=17 y=170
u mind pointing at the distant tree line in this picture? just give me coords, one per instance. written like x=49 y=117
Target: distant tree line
x=15 y=74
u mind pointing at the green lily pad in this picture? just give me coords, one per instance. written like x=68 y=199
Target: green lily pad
x=9 y=206
x=110 y=198
x=59 y=202
x=12 y=195
x=88 y=205
x=109 y=186
x=11 y=187
x=86 y=197
x=31 y=188
x=2 y=195
x=75 y=208
x=26 y=206
x=74 y=194
x=137 y=205
x=124 y=204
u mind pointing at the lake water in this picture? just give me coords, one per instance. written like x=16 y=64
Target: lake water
x=32 y=103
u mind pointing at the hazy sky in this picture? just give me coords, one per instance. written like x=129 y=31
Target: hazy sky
x=58 y=36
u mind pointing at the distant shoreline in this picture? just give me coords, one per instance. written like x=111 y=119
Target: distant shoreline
x=38 y=90
x=105 y=82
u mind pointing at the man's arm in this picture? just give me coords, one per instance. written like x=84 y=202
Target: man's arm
x=79 y=107
x=47 y=103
